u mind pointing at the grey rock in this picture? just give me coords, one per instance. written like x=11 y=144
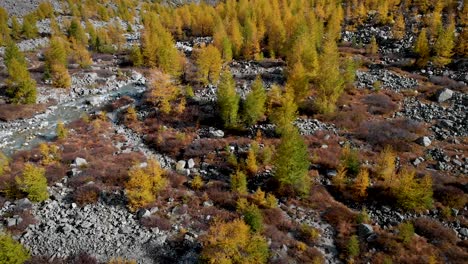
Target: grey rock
x=464 y=232
x=142 y=213
x=217 y=133
x=424 y=141
x=207 y=203
x=180 y=166
x=23 y=203
x=331 y=173
x=444 y=95
x=365 y=230
x=11 y=222
x=190 y=163
x=80 y=162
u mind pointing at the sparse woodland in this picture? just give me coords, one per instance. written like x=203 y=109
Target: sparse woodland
x=266 y=131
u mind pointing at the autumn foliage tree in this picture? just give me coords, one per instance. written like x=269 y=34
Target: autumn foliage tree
x=158 y=47
x=33 y=182
x=292 y=162
x=56 y=63
x=163 y=91
x=11 y=251
x=254 y=105
x=209 y=64
x=232 y=242
x=330 y=84
x=228 y=99
x=412 y=193
x=144 y=184
x=421 y=48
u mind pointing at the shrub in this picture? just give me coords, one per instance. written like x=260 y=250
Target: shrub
x=363 y=217
x=398 y=133
x=197 y=182
x=406 y=232
x=434 y=231
x=120 y=260
x=136 y=57
x=386 y=164
x=450 y=196
x=60 y=76
x=33 y=182
x=87 y=194
x=251 y=162
x=61 y=131
x=82 y=258
x=157 y=221
x=361 y=183
x=353 y=247
x=412 y=193
x=239 y=182
x=253 y=217
x=3 y=163
x=11 y=251
x=308 y=233
x=233 y=243
x=350 y=160
x=380 y=104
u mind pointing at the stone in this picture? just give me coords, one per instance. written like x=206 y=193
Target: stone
x=454 y=211
x=80 y=162
x=23 y=203
x=190 y=163
x=154 y=210
x=180 y=166
x=217 y=133
x=464 y=232
x=331 y=173
x=365 y=230
x=424 y=141
x=143 y=213
x=11 y=222
x=444 y=95
x=207 y=203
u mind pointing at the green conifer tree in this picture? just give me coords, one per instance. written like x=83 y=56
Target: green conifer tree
x=421 y=48
x=33 y=182
x=330 y=83
x=292 y=162
x=254 y=106
x=21 y=87
x=228 y=99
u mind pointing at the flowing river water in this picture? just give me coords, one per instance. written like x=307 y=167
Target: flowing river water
x=25 y=134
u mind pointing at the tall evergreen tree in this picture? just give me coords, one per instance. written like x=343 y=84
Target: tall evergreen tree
x=21 y=87
x=444 y=45
x=291 y=162
x=330 y=83
x=209 y=64
x=421 y=48
x=228 y=99
x=254 y=106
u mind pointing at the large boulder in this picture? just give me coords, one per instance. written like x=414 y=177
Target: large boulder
x=216 y=133
x=143 y=213
x=180 y=166
x=443 y=95
x=80 y=162
x=424 y=141
x=365 y=230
